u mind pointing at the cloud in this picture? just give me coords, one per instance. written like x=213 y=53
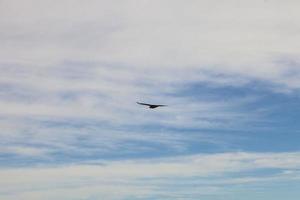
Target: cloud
x=23 y=151
x=71 y=73
x=93 y=111
x=146 y=178
x=81 y=68
x=199 y=35
x=94 y=60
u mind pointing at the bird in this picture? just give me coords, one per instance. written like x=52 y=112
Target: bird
x=151 y=106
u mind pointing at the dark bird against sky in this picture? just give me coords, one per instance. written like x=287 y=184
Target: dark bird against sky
x=151 y=106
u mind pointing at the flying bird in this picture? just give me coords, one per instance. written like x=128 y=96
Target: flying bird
x=151 y=106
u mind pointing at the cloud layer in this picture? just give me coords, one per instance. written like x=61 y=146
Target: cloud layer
x=155 y=178
x=200 y=35
x=71 y=73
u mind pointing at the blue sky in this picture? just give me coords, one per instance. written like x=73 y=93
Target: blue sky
x=72 y=71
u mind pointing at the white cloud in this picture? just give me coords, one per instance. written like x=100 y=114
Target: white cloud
x=23 y=151
x=123 y=51
x=143 y=178
x=155 y=35
x=73 y=60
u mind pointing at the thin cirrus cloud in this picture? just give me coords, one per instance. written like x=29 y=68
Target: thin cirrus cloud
x=149 y=178
x=129 y=33
x=71 y=73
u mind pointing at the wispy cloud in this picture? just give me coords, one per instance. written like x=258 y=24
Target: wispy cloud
x=148 y=178
x=222 y=37
x=71 y=73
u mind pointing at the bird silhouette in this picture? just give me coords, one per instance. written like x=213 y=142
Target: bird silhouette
x=151 y=106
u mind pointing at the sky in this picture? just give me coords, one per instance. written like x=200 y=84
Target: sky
x=72 y=72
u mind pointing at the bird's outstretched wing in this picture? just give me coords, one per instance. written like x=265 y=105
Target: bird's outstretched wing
x=151 y=105
x=160 y=105
x=145 y=104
